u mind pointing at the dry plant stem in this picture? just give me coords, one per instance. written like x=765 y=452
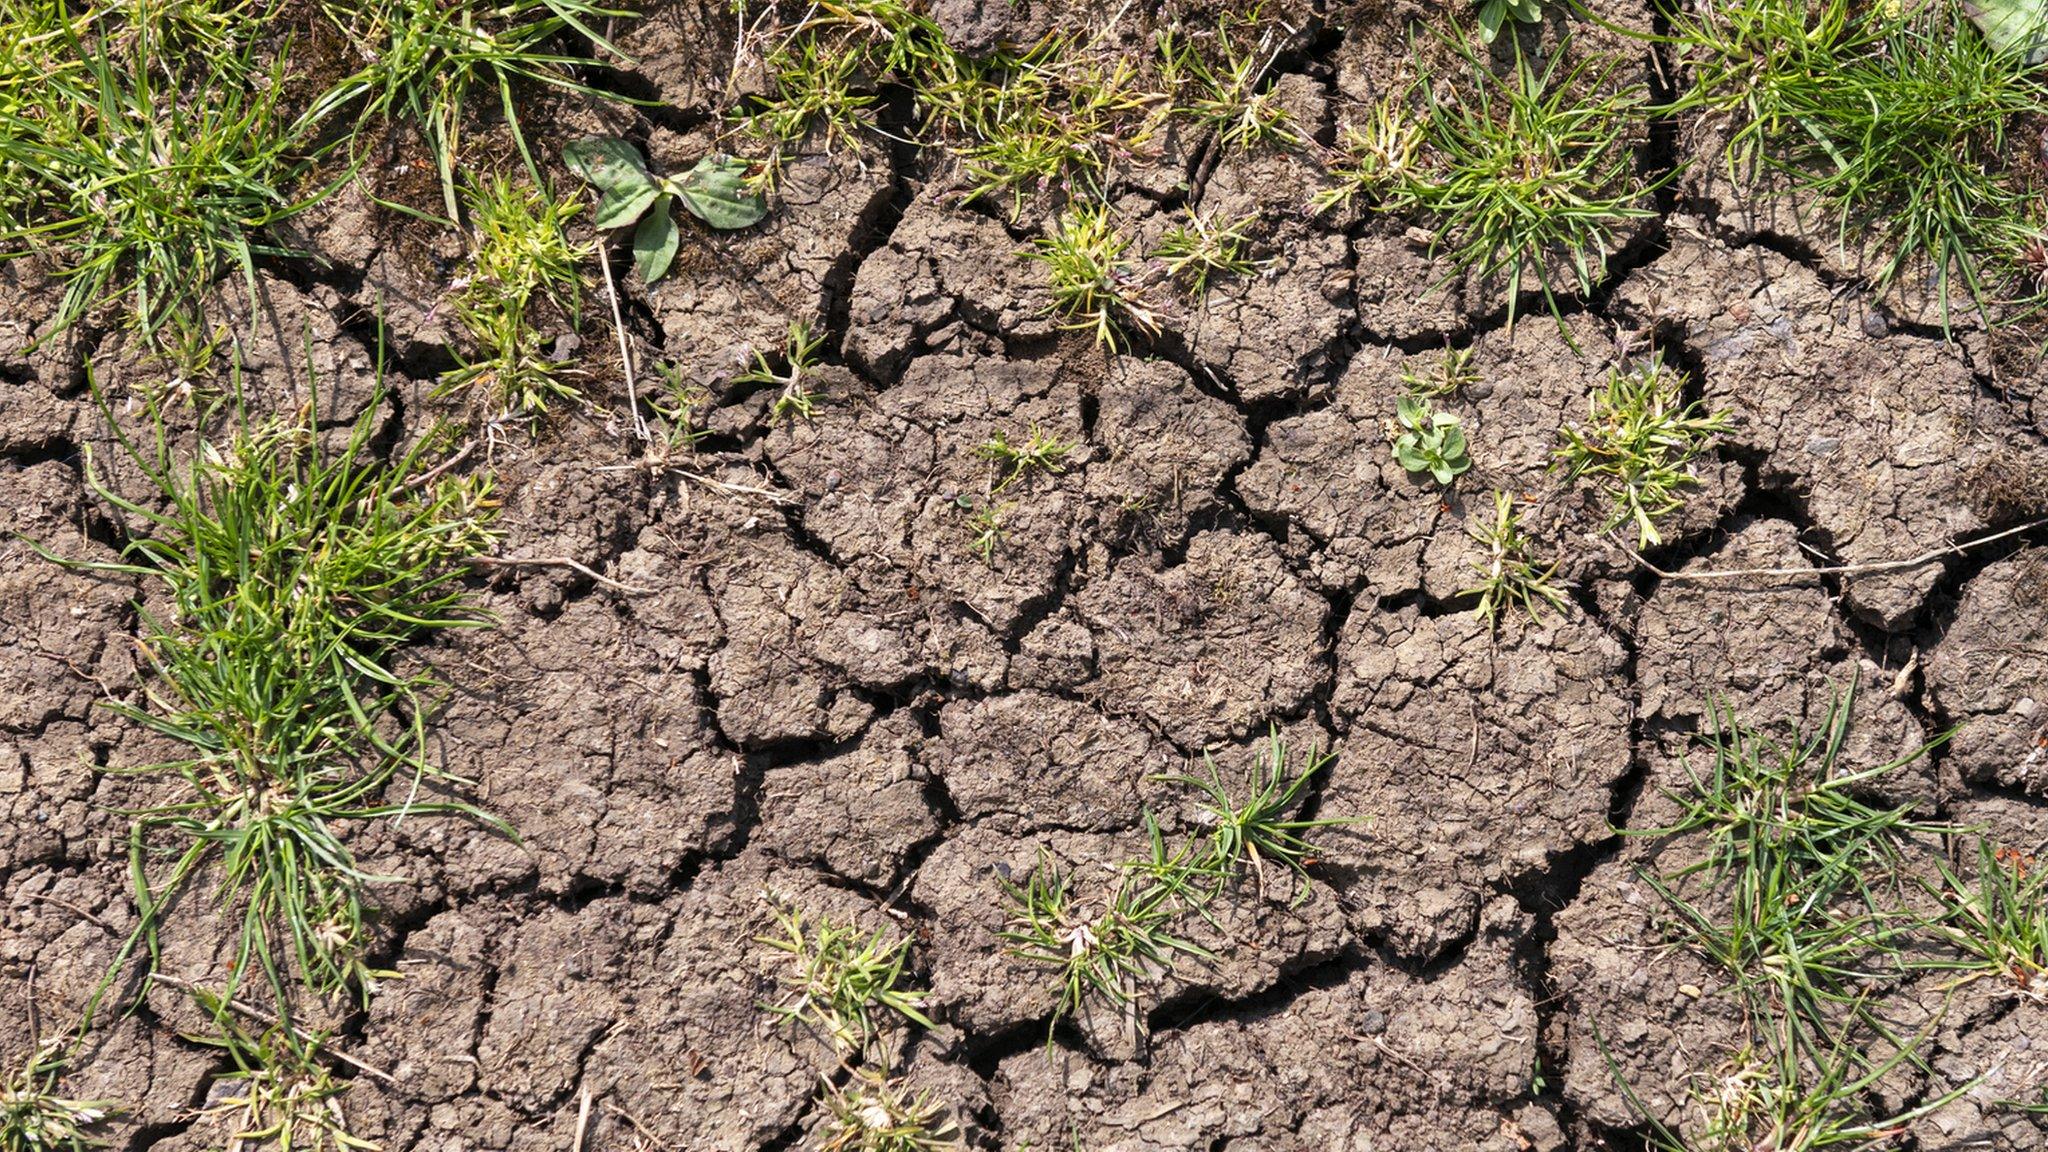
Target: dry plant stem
x=243 y=1007
x=441 y=469
x=582 y=1122
x=1927 y=557
x=625 y=354
x=558 y=562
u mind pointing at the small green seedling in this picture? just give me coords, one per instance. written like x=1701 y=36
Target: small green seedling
x=1094 y=285
x=840 y=977
x=1429 y=441
x=281 y=1092
x=1494 y=14
x=1452 y=374
x=1230 y=96
x=1507 y=575
x=715 y=191
x=2000 y=921
x=1107 y=954
x=34 y=1118
x=1260 y=825
x=871 y=1114
x=800 y=353
x=1640 y=442
x=523 y=260
x=1201 y=248
x=1374 y=161
x=1039 y=452
x=986 y=528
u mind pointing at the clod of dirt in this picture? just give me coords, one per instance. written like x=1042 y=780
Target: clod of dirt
x=1873 y=436
x=1469 y=762
x=1031 y=762
x=1989 y=674
x=857 y=814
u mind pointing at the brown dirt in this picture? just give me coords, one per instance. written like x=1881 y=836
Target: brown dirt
x=827 y=695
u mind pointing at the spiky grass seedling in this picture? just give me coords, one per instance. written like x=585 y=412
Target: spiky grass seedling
x=1200 y=248
x=523 y=262
x=1639 y=443
x=1451 y=374
x=1094 y=285
x=425 y=61
x=815 y=91
x=281 y=1093
x=287 y=578
x=1507 y=574
x=1805 y=874
x=1259 y=823
x=796 y=400
x=1749 y=58
x=874 y=1115
x=1999 y=920
x=840 y=978
x=1529 y=171
x=1107 y=954
x=1040 y=452
x=1374 y=162
x=147 y=168
x=35 y=1117
x=985 y=529
x=1229 y=96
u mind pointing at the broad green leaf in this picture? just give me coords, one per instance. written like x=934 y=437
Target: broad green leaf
x=654 y=242
x=612 y=165
x=2013 y=25
x=622 y=206
x=715 y=192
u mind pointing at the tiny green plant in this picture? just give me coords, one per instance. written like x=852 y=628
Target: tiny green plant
x=715 y=191
x=1040 y=452
x=1374 y=161
x=280 y=1093
x=1507 y=574
x=985 y=529
x=815 y=89
x=1999 y=921
x=1231 y=95
x=1428 y=441
x=523 y=262
x=871 y=1114
x=290 y=576
x=1106 y=954
x=35 y=1117
x=1494 y=15
x=1451 y=374
x=1260 y=823
x=1640 y=442
x=839 y=978
x=1200 y=248
x=796 y=400
x=1095 y=286
x=1529 y=171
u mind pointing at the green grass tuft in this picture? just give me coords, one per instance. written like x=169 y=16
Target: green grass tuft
x=1640 y=441
x=840 y=977
x=34 y=1117
x=522 y=261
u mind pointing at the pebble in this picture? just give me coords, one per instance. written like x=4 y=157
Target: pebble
x=1874 y=326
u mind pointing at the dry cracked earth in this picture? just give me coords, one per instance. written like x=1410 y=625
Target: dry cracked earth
x=796 y=676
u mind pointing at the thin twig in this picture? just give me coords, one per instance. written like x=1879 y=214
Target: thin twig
x=262 y=1017
x=582 y=1122
x=604 y=261
x=558 y=562
x=1925 y=558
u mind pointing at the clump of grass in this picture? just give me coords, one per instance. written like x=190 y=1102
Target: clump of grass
x=282 y=1092
x=876 y=1115
x=289 y=578
x=1525 y=171
x=1040 y=452
x=1105 y=953
x=424 y=63
x=796 y=400
x=1508 y=575
x=1375 y=161
x=1451 y=374
x=1900 y=121
x=1640 y=442
x=1201 y=248
x=1259 y=823
x=815 y=90
x=1999 y=920
x=523 y=259
x=839 y=978
x=1095 y=286
x=985 y=529
x=35 y=1117
x=1229 y=96
x=147 y=165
